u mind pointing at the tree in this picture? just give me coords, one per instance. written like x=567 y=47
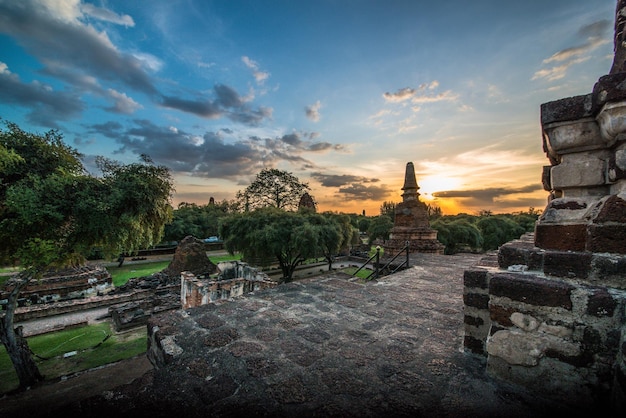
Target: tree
x=458 y=233
x=497 y=230
x=288 y=237
x=53 y=213
x=200 y=221
x=272 y=187
x=380 y=227
x=388 y=209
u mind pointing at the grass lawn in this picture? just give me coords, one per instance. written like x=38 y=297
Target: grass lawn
x=69 y=351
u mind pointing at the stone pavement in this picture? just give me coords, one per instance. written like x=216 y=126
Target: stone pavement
x=326 y=347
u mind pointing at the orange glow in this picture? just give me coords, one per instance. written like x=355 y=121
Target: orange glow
x=432 y=184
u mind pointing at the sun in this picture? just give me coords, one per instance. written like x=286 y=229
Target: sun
x=432 y=184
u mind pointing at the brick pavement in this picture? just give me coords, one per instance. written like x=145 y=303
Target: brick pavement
x=324 y=346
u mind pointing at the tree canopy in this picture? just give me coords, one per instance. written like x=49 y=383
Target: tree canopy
x=52 y=212
x=273 y=187
x=286 y=237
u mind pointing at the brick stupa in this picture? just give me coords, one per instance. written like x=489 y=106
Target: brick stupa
x=411 y=222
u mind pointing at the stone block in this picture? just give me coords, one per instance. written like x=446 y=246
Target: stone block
x=473 y=321
x=561 y=237
x=501 y=315
x=601 y=303
x=573 y=136
x=585 y=170
x=532 y=290
x=477 y=300
x=546 y=180
x=476 y=278
x=607 y=238
x=608 y=267
x=612 y=121
x=608 y=88
x=613 y=209
x=567 y=264
x=474 y=345
x=567 y=109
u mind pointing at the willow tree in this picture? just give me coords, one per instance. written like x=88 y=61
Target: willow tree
x=287 y=237
x=53 y=213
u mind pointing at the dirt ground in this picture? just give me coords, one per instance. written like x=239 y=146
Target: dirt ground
x=54 y=394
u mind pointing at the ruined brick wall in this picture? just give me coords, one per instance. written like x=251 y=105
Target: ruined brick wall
x=553 y=321
x=236 y=279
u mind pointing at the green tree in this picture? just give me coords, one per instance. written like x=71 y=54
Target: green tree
x=288 y=237
x=458 y=234
x=364 y=224
x=388 y=209
x=434 y=211
x=497 y=230
x=272 y=187
x=200 y=221
x=380 y=227
x=53 y=213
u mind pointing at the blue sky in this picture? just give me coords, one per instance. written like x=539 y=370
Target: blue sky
x=341 y=93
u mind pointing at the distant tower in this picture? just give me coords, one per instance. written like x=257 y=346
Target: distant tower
x=306 y=201
x=411 y=222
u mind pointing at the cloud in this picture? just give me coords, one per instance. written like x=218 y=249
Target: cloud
x=313 y=111
x=489 y=194
x=259 y=76
x=220 y=154
x=123 y=103
x=227 y=102
x=106 y=15
x=594 y=37
x=59 y=35
x=338 y=180
x=400 y=95
x=48 y=106
x=498 y=199
x=359 y=191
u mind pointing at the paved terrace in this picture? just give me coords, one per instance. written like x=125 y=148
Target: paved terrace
x=325 y=346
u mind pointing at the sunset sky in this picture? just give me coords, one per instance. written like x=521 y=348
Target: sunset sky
x=341 y=93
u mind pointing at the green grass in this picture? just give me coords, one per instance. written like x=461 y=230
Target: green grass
x=121 y=275
x=93 y=349
x=362 y=274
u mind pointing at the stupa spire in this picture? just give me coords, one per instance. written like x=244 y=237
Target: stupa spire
x=410 y=184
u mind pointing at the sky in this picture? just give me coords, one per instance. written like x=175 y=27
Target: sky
x=340 y=93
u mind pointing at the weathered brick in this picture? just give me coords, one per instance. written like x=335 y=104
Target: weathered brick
x=474 y=345
x=475 y=278
x=561 y=237
x=567 y=264
x=473 y=320
x=613 y=210
x=510 y=255
x=477 y=300
x=601 y=303
x=501 y=315
x=608 y=238
x=532 y=290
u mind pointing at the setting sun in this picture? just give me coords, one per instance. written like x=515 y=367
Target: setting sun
x=432 y=184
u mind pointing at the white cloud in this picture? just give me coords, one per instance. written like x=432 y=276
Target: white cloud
x=123 y=103
x=259 y=76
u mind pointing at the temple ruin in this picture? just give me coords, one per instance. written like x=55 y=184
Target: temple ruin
x=550 y=311
x=411 y=223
